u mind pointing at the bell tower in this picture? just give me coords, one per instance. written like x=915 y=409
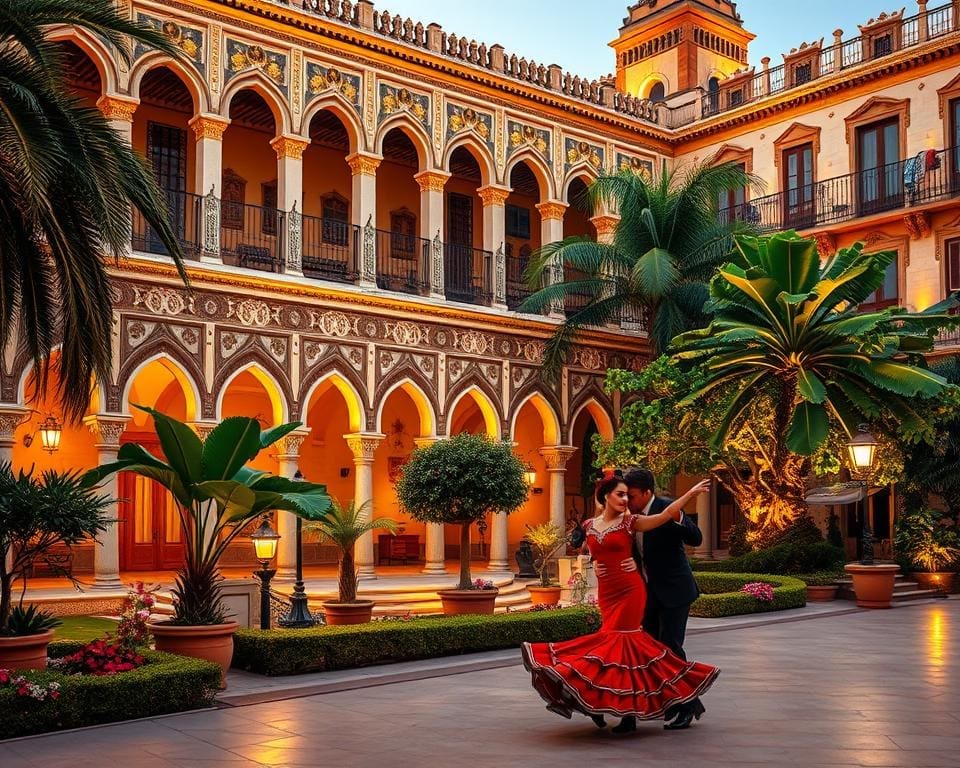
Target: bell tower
x=667 y=47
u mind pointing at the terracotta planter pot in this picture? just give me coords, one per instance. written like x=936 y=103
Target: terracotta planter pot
x=544 y=595
x=25 y=651
x=212 y=642
x=459 y=601
x=348 y=613
x=944 y=581
x=821 y=593
x=872 y=584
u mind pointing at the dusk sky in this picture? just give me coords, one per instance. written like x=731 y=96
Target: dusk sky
x=574 y=33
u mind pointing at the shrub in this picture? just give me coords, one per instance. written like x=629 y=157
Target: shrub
x=721 y=594
x=926 y=540
x=783 y=559
x=294 y=651
x=166 y=683
x=100 y=657
x=820 y=578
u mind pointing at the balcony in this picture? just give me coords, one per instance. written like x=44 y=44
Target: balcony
x=330 y=250
x=927 y=177
x=252 y=236
x=402 y=262
x=184 y=210
x=912 y=31
x=468 y=274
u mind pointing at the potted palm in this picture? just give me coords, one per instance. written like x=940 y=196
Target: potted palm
x=460 y=481
x=342 y=526
x=37 y=514
x=216 y=495
x=546 y=539
x=927 y=544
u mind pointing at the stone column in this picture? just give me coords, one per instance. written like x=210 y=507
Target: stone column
x=364 y=446
x=606 y=226
x=11 y=417
x=434 y=548
x=551 y=231
x=106 y=429
x=922 y=20
x=289 y=151
x=208 y=130
x=556 y=457
x=119 y=111
x=498 y=544
x=705 y=523
x=288 y=460
x=431 y=225
x=364 y=213
x=494 y=200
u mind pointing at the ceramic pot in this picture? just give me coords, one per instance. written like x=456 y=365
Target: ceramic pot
x=460 y=601
x=873 y=584
x=821 y=593
x=212 y=642
x=544 y=595
x=358 y=612
x=25 y=651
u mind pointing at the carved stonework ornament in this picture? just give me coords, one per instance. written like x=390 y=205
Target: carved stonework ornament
x=321 y=79
x=333 y=323
x=605 y=225
x=294 y=239
x=493 y=195
x=363 y=445
x=431 y=181
x=106 y=429
x=533 y=351
x=590 y=358
x=527 y=136
x=241 y=57
x=643 y=168
x=396 y=100
x=406 y=333
x=437 y=264
x=363 y=165
x=208 y=127
x=288 y=446
x=163 y=301
x=10 y=419
x=551 y=210
x=555 y=457
x=500 y=276
x=289 y=146
x=211 y=223
x=581 y=151
x=468 y=119
x=114 y=108
x=187 y=39
x=473 y=342
x=369 y=271
x=917 y=225
x=252 y=312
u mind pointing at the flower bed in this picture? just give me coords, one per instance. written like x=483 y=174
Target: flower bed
x=165 y=683
x=294 y=651
x=722 y=594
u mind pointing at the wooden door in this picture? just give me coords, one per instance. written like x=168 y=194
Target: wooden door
x=150 y=523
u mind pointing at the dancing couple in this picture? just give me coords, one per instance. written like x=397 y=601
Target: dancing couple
x=634 y=667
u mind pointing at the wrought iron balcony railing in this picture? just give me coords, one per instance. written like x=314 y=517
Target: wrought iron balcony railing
x=402 y=262
x=926 y=177
x=467 y=274
x=184 y=209
x=252 y=236
x=330 y=250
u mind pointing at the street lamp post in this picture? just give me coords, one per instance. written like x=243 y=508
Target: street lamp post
x=265 y=544
x=299 y=615
x=862 y=449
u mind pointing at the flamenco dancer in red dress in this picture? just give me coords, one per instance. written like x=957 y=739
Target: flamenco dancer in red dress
x=620 y=670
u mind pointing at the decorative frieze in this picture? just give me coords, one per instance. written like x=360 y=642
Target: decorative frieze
x=638 y=165
x=115 y=108
x=577 y=152
x=522 y=136
x=242 y=57
x=323 y=79
x=289 y=146
x=188 y=39
x=469 y=120
x=208 y=127
x=394 y=100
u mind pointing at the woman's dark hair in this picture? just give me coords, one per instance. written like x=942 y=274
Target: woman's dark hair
x=607 y=482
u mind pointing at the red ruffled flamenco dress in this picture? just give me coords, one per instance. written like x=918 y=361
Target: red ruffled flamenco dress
x=620 y=670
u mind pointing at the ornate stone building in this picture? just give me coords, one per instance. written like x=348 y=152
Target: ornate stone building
x=359 y=196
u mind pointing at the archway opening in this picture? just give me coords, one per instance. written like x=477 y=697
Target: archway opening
x=401 y=248
x=523 y=235
x=467 y=267
x=530 y=434
x=576 y=223
x=83 y=77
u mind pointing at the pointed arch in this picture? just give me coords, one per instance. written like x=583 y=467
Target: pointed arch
x=478 y=150
x=583 y=171
x=413 y=130
x=599 y=414
x=267 y=378
x=268 y=91
x=190 y=78
x=548 y=416
x=191 y=392
x=24 y=364
x=344 y=112
x=538 y=166
x=487 y=405
x=417 y=393
x=344 y=384
x=98 y=51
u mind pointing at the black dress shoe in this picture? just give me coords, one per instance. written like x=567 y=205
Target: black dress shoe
x=682 y=721
x=599 y=721
x=627 y=725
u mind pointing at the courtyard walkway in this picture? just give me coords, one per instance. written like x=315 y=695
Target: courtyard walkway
x=871 y=688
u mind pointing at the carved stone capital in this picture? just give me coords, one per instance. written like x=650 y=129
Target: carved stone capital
x=11 y=417
x=106 y=429
x=605 y=224
x=552 y=209
x=556 y=456
x=492 y=195
x=203 y=428
x=208 y=127
x=288 y=446
x=917 y=225
x=423 y=442
x=363 y=165
x=117 y=108
x=289 y=146
x=363 y=445
x=431 y=181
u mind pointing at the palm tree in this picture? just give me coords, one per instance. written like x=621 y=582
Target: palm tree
x=67 y=184
x=788 y=352
x=343 y=526
x=667 y=246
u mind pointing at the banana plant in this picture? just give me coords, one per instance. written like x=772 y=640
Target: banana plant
x=216 y=494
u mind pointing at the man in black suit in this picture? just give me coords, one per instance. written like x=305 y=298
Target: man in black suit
x=671 y=588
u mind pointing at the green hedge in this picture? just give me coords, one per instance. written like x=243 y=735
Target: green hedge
x=293 y=651
x=721 y=595
x=784 y=559
x=166 y=683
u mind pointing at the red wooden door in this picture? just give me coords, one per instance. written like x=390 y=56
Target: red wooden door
x=150 y=522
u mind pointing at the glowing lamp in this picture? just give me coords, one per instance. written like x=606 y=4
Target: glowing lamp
x=265 y=541
x=50 y=433
x=862 y=449
x=530 y=476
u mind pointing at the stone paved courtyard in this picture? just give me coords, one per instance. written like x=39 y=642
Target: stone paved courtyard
x=871 y=688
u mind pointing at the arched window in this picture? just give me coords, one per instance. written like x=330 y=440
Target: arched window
x=657 y=92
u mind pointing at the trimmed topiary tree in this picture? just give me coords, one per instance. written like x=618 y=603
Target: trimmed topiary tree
x=458 y=481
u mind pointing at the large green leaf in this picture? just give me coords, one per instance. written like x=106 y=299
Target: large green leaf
x=655 y=273
x=901 y=378
x=230 y=445
x=269 y=436
x=808 y=428
x=792 y=261
x=181 y=446
x=810 y=387
x=235 y=499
